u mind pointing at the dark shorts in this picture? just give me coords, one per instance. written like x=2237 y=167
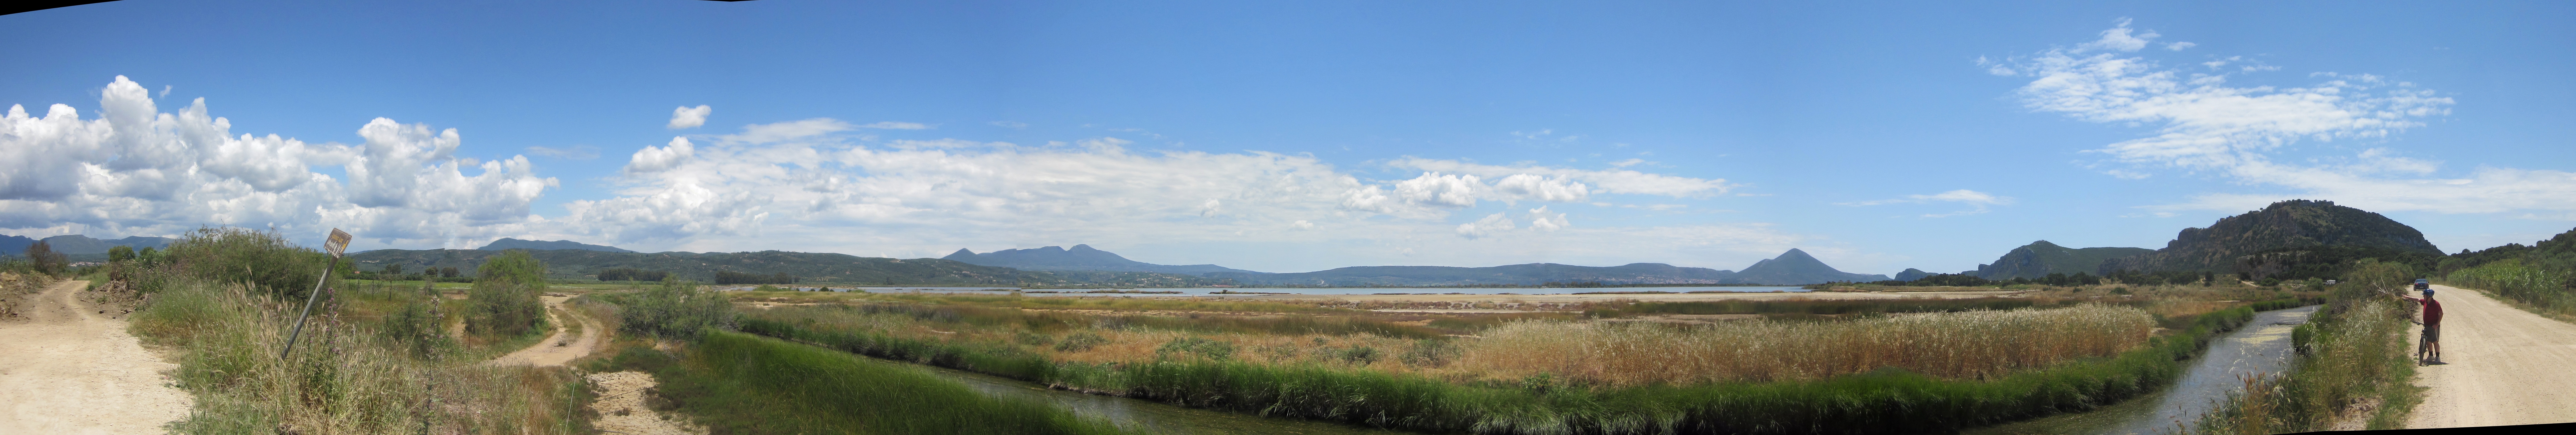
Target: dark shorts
x=2433 y=333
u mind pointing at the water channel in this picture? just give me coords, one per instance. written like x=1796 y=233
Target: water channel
x=2261 y=347
x=1146 y=415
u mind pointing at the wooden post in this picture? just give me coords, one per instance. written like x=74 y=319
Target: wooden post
x=338 y=242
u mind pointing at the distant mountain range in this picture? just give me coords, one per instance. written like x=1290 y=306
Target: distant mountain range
x=510 y=243
x=1081 y=257
x=75 y=244
x=2282 y=225
x=1791 y=268
x=2040 y=258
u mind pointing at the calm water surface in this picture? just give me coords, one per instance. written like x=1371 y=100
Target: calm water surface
x=2261 y=347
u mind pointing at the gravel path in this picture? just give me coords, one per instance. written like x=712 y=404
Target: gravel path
x=2507 y=366
x=556 y=350
x=70 y=369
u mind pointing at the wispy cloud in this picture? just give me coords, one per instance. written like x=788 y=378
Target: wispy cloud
x=2203 y=123
x=576 y=152
x=894 y=125
x=1981 y=201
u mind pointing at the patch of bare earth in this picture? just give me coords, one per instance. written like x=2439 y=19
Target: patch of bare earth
x=71 y=368
x=622 y=408
x=556 y=349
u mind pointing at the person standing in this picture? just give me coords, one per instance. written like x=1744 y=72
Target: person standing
x=2432 y=320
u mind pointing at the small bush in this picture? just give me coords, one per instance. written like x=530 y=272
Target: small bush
x=1210 y=349
x=676 y=310
x=1080 y=341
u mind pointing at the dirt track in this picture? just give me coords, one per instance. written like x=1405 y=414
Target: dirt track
x=69 y=369
x=556 y=350
x=2507 y=366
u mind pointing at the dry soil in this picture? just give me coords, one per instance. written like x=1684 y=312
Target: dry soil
x=2506 y=366
x=71 y=369
x=556 y=349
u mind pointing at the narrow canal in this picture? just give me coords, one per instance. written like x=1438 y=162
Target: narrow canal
x=2261 y=347
x=1147 y=415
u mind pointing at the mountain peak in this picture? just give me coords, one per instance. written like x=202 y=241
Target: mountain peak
x=1081 y=257
x=2296 y=223
x=1796 y=267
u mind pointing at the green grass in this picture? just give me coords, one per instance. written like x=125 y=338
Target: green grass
x=1803 y=306
x=742 y=384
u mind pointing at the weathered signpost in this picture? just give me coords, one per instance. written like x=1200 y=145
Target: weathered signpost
x=339 y=242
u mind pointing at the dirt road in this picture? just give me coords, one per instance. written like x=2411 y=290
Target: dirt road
x=556 y=350
x=2507 y=366
x=70 y=369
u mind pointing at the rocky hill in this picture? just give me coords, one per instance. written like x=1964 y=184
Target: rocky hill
x=2040 y=258
x=1797 y=268
x=2282 y=225
x=1081 y=257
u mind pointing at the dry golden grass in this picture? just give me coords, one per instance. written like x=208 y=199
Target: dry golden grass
x=1975 y=344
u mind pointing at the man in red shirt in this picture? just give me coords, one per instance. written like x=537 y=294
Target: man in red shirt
x=2432 y=323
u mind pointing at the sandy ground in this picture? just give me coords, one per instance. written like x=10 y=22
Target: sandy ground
x=2506 y=366
x=70 y=369
x=556 y=349
x=621 y=393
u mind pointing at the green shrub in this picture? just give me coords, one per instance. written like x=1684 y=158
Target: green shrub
x=1080 y=341
x=1210 y=349
x=675 y=309
x=504 y=298
x=265 y=260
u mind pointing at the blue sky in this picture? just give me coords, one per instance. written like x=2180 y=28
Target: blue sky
x=1289 y=137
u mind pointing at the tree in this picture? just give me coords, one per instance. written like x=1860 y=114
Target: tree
x=120 y=253
x=504 y=297
x=392 y=270
x=42 y=256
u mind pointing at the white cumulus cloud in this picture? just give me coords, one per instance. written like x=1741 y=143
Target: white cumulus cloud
x=134 y=170
x=1488 y=226
x=690 y=117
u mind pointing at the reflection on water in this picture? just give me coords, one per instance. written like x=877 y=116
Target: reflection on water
x=2261 y=347
x=1146 y=415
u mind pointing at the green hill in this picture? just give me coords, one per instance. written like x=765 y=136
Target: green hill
x=2040 y=258
x=2286 y=233
x=810 y=268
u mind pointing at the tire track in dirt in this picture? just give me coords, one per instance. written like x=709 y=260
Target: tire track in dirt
x=69 y=369
x=556 y=350
x=2506 y=366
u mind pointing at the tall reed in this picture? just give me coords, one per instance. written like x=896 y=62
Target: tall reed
x=737 y=383
x=2542 y=287
x=1973 y=344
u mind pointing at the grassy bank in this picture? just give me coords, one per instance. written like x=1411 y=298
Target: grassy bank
x=371 y=360
x=1331 y=378
x=743 y=384
x=2355 y=363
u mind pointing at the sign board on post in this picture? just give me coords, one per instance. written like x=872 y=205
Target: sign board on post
x=337 y=243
